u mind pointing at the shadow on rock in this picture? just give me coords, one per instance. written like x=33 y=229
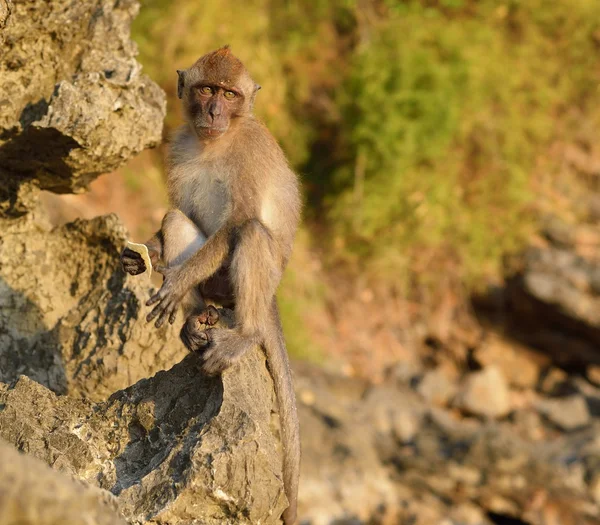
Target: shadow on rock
x=167 y=414
x=27 y=345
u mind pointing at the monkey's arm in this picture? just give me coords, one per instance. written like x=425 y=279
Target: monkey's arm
x=155 y=247
x=133 y=263
x=181 y=279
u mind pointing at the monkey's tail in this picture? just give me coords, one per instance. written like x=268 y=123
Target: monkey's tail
x=279 y=366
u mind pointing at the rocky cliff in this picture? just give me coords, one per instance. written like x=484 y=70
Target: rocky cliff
x=498 y=426
x=85 y=384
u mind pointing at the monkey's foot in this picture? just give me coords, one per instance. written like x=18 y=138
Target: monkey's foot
x=194 y=334
x=226 y=347
x=209 y=316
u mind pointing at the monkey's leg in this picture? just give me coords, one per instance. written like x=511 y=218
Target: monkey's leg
x=254 y=275
x=182 y=239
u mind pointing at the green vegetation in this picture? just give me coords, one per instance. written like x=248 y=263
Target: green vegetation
x=445 y=113
x=417 y=125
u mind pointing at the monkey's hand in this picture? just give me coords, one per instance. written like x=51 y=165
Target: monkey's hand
x=169 y=296
x=132 y=262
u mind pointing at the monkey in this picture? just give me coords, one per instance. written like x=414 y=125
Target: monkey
x=236 y=207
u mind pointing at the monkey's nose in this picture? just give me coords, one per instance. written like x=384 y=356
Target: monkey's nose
x=214 y=110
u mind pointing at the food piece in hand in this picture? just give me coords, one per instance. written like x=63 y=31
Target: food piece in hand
x=142 y=249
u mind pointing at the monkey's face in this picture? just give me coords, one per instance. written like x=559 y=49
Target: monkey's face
x=213 y=107
x=216 y=91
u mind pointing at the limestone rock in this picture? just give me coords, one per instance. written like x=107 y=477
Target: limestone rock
x=74 y=102
x=174 y=448
x=5 y=10
x=485 y=393
x=436 y=387
x=69 y=316
x=568 y=413
x=31 y=493
x=518 y=363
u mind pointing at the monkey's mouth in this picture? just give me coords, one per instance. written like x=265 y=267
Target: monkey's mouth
x=211 y=131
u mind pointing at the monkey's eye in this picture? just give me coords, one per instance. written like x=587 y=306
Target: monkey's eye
x=229 y=94
x=206 y=90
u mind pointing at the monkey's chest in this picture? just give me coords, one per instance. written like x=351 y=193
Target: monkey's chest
x=205 y=199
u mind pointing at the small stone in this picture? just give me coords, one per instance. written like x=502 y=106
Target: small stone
x=567 y=413
x=464 y=474
x=437 y=388
x=404 y=371
x=553 y=381
x=468 y=514
x=523 y=399
x=528 y=423
x=145 y=414
x=519 y=364
x=593 y=374
x=486 y=394
x=405 y=425
x=595 y=488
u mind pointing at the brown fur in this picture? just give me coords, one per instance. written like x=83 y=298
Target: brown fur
x=236 y=197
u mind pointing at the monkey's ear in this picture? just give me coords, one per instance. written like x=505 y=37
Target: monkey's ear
x=253 y=96
x=180 y=82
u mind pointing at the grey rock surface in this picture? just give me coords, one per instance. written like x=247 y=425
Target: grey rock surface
x=31 y=493
x=174 y=448
x=449 y=469
x=436 y=387
x=73 y=104
x=73 y=101
x=568 y=413
x=69 y=317
x=555 y=298
x=171 y=446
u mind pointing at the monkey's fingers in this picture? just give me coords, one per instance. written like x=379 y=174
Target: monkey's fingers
x=162 y=317
x=154 y=299
x=134 y=265
x=151 y=316
x=157 y=309
x=162 y=269
x=128 y=255
x=173 y=316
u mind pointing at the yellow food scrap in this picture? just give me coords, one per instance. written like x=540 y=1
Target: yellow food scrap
x=142 y=249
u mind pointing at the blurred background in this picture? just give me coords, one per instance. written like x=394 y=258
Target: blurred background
x=434 y=140
x=449 y=252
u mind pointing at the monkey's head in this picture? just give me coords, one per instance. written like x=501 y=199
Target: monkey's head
x=216 y=91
